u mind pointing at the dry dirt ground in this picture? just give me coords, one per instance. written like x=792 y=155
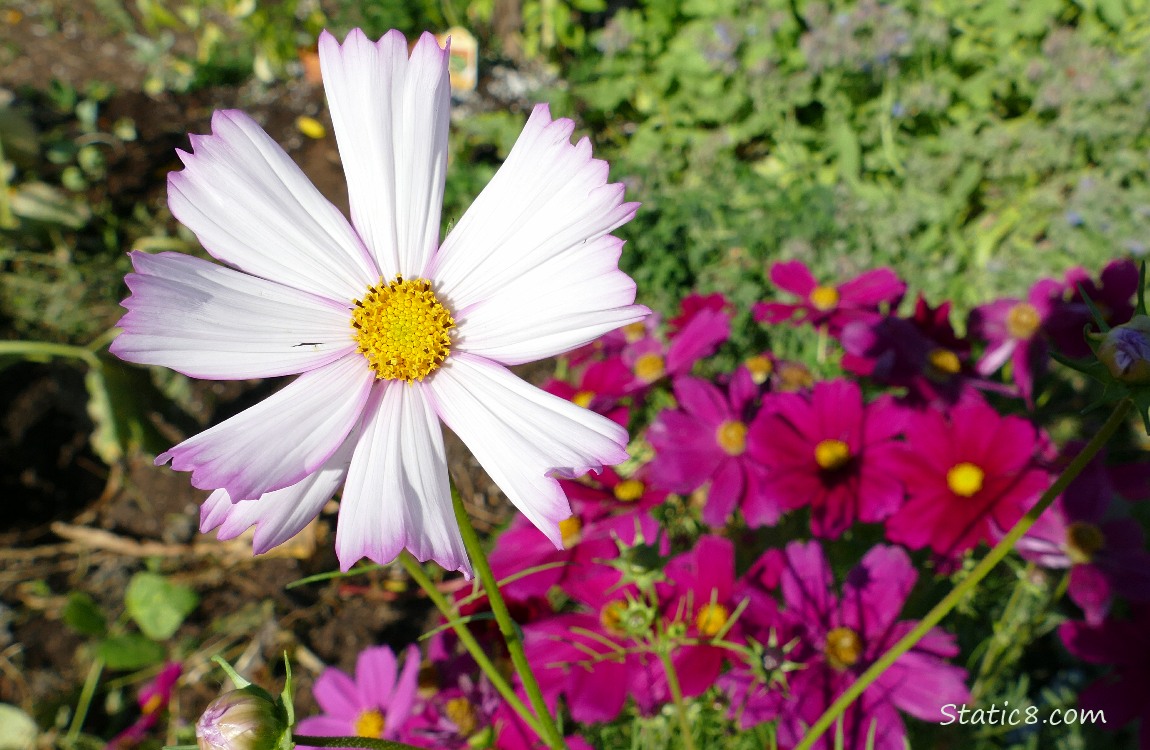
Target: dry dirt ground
x=73 y=524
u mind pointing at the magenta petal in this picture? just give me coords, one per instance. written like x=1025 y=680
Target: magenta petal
x=337 y=694
x=699 y=338
x=872 y=288
x=375 y=671
x=794 y=277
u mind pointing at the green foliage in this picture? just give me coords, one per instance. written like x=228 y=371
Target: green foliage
x=158 y=606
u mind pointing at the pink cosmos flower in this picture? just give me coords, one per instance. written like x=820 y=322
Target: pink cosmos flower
x=390 y=330
x=828 y=449
x=152 y=699
x=706 y=440
x=832 y=306
x=1123 y=694
x=841 y=638
x=965 y=474
x=1111 y=295
x=600 y=387
x=377 y=702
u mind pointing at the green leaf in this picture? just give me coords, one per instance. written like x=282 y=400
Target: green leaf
x=131 y=651
x=119 y=399
x=157 y=605
x=83 y=615
x=17 y=729
x=39 y=201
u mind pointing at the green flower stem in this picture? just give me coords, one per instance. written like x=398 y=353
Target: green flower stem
x=417 y=573
x=367 y=743
x=36 y=349
x=85 y=702
x=677 y=699
x=959 y=592
x=507 y=627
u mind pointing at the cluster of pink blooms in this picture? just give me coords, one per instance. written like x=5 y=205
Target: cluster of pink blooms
x=910 y=445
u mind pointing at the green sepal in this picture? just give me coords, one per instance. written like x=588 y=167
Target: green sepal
x=235 y=677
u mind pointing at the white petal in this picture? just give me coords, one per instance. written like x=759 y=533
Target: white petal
x=208 y=321
x=566 y=302
x=523 y=436
x=549 y=198
x=391 y=116
x=282 y=439
x=252 y=207
x=397 y=494
x=278 y=515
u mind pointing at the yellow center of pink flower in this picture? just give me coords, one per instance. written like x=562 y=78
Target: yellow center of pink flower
x=402 y=329
x=634 y=331
x=611 y=616
x=571 y=529
x=732 y=437
x=832 y=454
x=824 y=298
x=153 y=704
x=711 y=618
x=369 y=724
x=794 y=377
x=649 y=367
x=1083 y=541
x=583 y=398
x=460 y=712
x=965 y=479
x=760 y=368
x=944 y=361
x=843 y=649
x=629 y=490
x=1022 y=321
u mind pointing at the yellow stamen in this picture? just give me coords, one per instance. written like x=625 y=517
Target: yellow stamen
x=832 y=454
x=402 y=329
x=570 y=528
x=629 y=490
x=583 y=398
x=460 y=712
x=153 y=704
x=611 y=616
x=634 y=331
x=824 y=298
x=711 y=619
x=965 y=479
x=1022 y=321
x=760 y=367
x=369 y=724
x=843 y=649
x=944 y=361
x=649 y=367
x=794 y=377
x=1083 y=541
x=732 y=437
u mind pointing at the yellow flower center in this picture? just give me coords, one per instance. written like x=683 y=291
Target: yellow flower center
x=843 y=649
x=402 y=329
x=794 y=377
x=1083 y=541
x=832 y=454
x=824 y=298
x=153 y=704
x=649 y=367
x=1022 y=321
x=461 y=713
x=570 y=528
x=711 y=619
x=760 y=368
x=732 y=437
x=629 y=490
x=369 y=724
x=965 y=479
x=944 y=361
x=583 y=398
x=634 y=331
x=611 y=616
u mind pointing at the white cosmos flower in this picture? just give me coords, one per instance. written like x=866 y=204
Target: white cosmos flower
x=389 y=331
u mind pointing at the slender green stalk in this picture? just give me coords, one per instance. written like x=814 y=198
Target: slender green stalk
x=959 y=592
x=46 y=349
x=415 y=570
x=85 y=701
x=367 y=743
x=677 y=699
x=507 y=627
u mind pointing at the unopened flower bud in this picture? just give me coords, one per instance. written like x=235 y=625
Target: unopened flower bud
x=1125 y=350
x=244 y=719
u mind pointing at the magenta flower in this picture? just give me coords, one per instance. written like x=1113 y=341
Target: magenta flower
x=390 y=331
x=828 y=305
x=650 y=360
x=828 y=449
x=841 y=638
x=1111 y=295
x=1104 y=551
x=706 y=440
x=377 y=702
x=1123 y=694
x=964 y=475
x=601 y=385
x=695 y=304
x=1014 y=332
x=152 y=699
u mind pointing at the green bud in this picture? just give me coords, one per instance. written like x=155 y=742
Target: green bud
x=244 y=719
x=1125 y=350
